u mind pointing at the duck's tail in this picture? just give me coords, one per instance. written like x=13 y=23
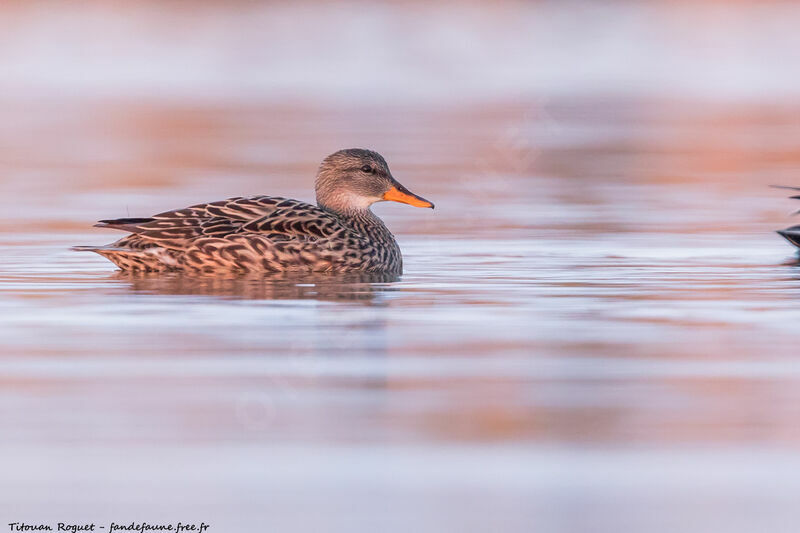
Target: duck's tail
x=147 y=260
x=791 y=234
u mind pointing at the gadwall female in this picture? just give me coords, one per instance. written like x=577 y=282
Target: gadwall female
x=274 y=234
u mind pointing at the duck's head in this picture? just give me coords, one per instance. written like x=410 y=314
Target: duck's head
x=354 y=179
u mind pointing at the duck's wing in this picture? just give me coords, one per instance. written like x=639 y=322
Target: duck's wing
x=275 y=217
x=297 y=221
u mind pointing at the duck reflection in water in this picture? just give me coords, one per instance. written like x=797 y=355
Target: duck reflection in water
x=359 y=287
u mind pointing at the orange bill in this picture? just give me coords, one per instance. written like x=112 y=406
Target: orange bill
x=398 y=193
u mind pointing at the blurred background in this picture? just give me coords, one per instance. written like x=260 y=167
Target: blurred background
x=597 y=327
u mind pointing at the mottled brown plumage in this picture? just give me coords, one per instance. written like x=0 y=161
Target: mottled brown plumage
x=274 y=234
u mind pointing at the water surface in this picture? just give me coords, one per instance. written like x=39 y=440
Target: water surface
x=597 y=326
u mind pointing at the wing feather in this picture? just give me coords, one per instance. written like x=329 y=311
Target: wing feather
x=275 y=217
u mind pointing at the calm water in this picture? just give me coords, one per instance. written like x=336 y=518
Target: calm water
x=596 y=326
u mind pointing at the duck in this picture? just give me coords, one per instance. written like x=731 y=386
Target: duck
x=791 y=234
x=261 y=234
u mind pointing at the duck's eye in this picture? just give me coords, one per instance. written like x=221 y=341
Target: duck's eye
x=367 y=169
